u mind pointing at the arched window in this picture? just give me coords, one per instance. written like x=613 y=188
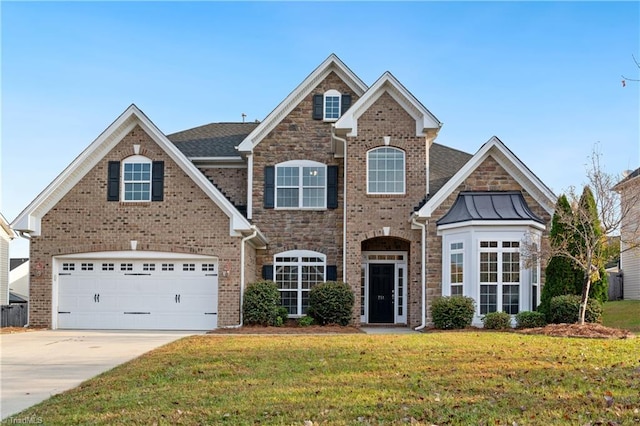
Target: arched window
x=386 y=171
x=296 y=272
x=136 y=178
x=332 y=104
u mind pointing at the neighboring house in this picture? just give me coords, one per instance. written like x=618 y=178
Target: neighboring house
x=19 y=278
x=341 y=181
x=6 y=235
x=629 y=189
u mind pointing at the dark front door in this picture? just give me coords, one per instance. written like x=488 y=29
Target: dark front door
x=381 y=293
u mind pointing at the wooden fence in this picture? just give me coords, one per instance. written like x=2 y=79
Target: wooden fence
x=14 y=315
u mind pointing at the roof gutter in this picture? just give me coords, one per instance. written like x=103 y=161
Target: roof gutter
x=423 y=272
x=344 y=203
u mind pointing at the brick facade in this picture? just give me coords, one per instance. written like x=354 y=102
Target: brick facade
x=187 y=221
x=299 y=137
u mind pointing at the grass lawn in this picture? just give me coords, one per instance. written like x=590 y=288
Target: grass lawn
x=623 y=314
x=434 y=378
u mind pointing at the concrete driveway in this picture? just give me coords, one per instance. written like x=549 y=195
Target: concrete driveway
x=35 y=365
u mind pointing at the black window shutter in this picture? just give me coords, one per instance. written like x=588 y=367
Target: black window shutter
x=267 y=272
x=346 y=103
x=332 y=273
x=157 y=181
x=269 y=187
x=113 y=181
x=318 y=108
x=332 y=187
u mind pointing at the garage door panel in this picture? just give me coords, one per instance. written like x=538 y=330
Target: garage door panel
x=141 y=294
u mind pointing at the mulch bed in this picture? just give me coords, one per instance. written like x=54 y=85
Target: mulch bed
x=593 y=331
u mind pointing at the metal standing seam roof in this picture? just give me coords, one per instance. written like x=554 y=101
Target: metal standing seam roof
x=489 y=205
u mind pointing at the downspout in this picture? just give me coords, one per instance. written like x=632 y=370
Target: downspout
x=423 y=259
x=26 y=236
x=244 y=240
x=344 y=204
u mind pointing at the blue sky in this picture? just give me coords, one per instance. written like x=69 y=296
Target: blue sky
x=545 y=77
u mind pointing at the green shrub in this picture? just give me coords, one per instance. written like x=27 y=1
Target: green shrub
x=565 y=309
x=497 y=321
x=331 y=303
x=305 y=321
x=261 y=304
x=283 y=315
x=530 y=319
x=452 y=312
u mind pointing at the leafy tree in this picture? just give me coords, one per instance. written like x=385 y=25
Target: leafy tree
x=593 y=217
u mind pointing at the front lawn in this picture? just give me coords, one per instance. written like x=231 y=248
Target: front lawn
x=623 y=314
x=433 y=378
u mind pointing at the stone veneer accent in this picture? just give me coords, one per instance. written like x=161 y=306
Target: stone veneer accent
x=187 y=221
x=299 y=137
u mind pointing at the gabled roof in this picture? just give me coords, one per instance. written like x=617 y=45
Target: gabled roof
x=7 y=232
x=489 y=206
x=331 y=64
x=29 y=220
x=214 y=140
x=507 y=160
x=627 y=177
x=389 y=84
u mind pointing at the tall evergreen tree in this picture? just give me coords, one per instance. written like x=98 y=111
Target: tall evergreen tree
x=562 y=275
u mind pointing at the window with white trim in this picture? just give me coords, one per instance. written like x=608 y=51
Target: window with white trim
x=296 y=272
x=136 y=179
x=456 y=268
x=535 y=279
x=386 y=171
x=499 y=277
x=332 y=105
x=301 y=185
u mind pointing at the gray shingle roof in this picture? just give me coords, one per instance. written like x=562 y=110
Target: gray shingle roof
x=489 y=205
x=444 y=162
x=212 y=140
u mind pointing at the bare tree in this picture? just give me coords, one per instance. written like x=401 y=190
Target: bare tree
x=595 y=215
x=625 y=79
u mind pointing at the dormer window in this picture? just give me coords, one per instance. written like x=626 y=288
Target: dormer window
x=331 y=105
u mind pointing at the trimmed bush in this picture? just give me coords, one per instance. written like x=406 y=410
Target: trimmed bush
x=452 y=312
x=331 y=303
x=497 y=321
x=305 y=321
x=283 y=314
x=530 y=319
x=261 y=304
x=565 y=309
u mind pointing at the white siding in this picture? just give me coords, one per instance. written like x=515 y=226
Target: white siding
x=630 y=259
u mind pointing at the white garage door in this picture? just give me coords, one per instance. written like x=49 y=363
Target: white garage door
x=140 y=294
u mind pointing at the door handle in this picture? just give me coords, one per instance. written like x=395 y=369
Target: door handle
x=96 y=298
x=178 y=298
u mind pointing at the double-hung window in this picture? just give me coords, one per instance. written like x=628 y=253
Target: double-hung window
x=499 y=277
x=456 y=269
x=136 y=178
x=301 y=184
x=332 y=105
x=386 y=171
x=296 y=272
